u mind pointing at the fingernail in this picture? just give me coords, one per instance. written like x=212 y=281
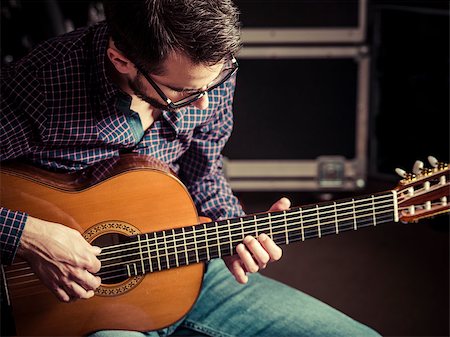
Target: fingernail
x=262 y=237
x=97 y=250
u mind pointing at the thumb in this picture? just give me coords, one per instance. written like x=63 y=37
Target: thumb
x=281 y=205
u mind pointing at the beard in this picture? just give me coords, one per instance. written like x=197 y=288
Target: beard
x=138 y=89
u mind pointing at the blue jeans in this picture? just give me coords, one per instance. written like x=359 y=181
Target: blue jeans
x=262 y=307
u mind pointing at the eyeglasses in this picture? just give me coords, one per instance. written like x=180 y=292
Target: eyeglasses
x=229 y=69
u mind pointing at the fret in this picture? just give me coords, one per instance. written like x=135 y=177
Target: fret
x=286 y=227
x=175 y=248
x=141 y=255
x=301 y=225
x=211 y=237
x=201 y=243
x=293 y=225
x=152 y=248
x=223 y=235
x=205 y=228
x=354 y=215
x=373 y=211
x=195 y=245
x=236 y=236
x=310 y=225
x=384 y=208
x=185 y=246
x=166 y=249
x=128 y=270
x=318 y=221
x=243 y=232
x=262 y=224
x=344 y=219
x=172 y=248
x=336 y=218
x=157 y=251
x=191 y=248
x=218 y=241
x=135 y=269
x=277 y=228
x=364 y=212
x=149 y=255
x=231 y=239
x=178 y=247
x=270 y=225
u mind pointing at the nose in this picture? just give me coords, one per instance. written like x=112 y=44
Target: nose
x=202 y=103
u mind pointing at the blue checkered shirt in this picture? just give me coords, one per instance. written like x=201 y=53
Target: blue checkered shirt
x=60 y=110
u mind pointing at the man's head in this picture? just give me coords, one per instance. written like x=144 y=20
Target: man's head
x=154 y=35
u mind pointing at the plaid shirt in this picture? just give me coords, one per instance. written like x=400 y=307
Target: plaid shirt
x=59 y=110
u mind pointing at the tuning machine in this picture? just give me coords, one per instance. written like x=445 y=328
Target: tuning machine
x=407 y=176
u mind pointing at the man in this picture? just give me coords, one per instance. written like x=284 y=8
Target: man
x=157 y=79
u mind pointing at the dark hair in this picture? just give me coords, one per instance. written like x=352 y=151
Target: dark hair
x=147 y=31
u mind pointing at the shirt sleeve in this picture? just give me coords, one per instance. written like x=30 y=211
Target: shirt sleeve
x=201 y=167
x=11 y=228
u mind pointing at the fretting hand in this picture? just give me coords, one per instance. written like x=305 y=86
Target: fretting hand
x=61 y=258
x=254 y=254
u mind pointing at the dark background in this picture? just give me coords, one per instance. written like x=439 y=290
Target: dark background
x=394 y=278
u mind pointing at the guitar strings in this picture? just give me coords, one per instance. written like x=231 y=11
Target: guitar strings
x=226 y=228
x=203 y=233
x=203 y=256
x=218 y=244
x=305 y=213
x=124 y=274
x=402 y=194
x=323 y=229
x=312 y=211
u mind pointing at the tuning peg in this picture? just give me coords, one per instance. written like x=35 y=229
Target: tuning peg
x=418 y=167
x=433 y=161
x=401 y=173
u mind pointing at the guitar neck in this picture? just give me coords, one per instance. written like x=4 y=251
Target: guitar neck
x=200 y=243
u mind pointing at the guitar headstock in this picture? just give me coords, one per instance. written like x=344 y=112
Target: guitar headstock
x=425 y=192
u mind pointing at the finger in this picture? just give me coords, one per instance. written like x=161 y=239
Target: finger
x=96 y=250
x=75 y=291
x=247 y=259
x=281 y=205
x=238 y=272
x=61 y=295
x=257 y=250
x=85 y=279
x=270 y=247
x=90 y=262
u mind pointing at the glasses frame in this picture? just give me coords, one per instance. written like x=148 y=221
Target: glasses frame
x=190 y=98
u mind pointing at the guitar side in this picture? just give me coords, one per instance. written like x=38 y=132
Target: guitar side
x=145 y=199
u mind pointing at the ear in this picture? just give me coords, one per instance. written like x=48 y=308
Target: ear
x=120 y=62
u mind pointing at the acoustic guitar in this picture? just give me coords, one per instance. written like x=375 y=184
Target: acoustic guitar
x=154 y=245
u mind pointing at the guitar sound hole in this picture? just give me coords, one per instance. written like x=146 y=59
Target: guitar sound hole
x=113 y=257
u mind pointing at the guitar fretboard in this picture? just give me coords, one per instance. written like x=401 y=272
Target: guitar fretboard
x=151 y=252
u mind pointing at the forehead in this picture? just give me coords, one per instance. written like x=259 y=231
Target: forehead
x=180 y=70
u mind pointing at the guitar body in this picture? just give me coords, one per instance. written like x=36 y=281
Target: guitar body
x=139 y=195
